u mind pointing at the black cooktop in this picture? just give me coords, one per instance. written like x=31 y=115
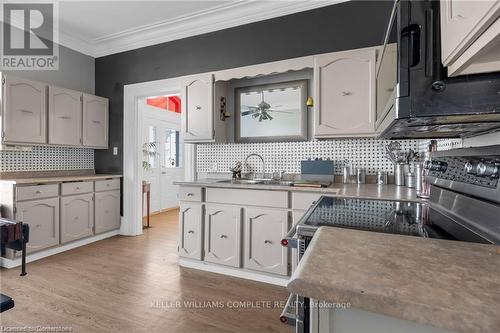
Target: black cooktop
x=387 y=216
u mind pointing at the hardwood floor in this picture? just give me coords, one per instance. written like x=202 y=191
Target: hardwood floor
x=133 y=284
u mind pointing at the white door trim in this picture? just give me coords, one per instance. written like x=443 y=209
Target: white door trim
x=132 y=150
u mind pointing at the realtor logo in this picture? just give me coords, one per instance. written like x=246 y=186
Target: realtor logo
x=29 y=36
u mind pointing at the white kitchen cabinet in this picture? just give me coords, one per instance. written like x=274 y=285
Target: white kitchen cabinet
x=190 y=230
x=65 y=117
x=345 y=94
x=470 y=36
x=77 y=217
x=43 y=218
x=223 y=234
x=24 y=111
x=264 y=230
x=198 y=109
x=95 y=121
x=107 y=211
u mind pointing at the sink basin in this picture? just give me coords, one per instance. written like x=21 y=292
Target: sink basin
x=257 y=182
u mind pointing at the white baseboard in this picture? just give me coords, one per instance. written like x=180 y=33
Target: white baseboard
x=236 y=272
x=10 y=263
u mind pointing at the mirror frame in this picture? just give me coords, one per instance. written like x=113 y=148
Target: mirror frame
x=301 y=136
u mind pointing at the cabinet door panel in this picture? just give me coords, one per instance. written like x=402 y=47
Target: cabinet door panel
x=198 y=118
x=43 y=218
x=65 y=117
x=25 y=111
x=462 y=22
x=190 y=230
x=77 y=217
x=223 y=235
x=107 y=211
x=264 y=230
x=345 y=93
x=95 y=121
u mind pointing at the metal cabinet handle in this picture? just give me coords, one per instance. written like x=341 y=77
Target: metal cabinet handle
x=346 y=93
x=287 y=316
x=26 y=111
x=38 y=192
x=96 y=121
x=190 y=194
x=198 y=107
x=267 y=242
x=77 y=188
x=191 y=232
x=223 y=236
x=65 y=117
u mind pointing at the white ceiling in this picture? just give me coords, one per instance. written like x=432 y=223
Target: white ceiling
x=100 y=28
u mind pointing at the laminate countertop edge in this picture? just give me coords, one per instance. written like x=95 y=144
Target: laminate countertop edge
x=447 y=284
x=58 y=179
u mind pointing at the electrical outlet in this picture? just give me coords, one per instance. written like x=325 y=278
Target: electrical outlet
x=115 y=150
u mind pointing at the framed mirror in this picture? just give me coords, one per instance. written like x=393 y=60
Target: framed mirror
x=271 y=112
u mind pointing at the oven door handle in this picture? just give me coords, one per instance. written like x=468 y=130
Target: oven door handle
x=290 y=240
x=288 y=316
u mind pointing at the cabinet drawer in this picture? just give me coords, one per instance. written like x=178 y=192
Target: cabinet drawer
x=36 y=192
x=189 y=193
x=107 y=185
x=303 y=201
x=77 y=188
x=277 y=199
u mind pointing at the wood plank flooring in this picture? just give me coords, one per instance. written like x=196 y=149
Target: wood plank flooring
x=133 y=284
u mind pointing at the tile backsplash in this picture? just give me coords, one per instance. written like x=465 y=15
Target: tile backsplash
x=363 y=152
x=47 y=159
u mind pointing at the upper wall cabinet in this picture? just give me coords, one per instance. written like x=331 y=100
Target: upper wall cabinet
x=65 y=117
x=470 y=36
x=202 y=110
x=345 y=94
x=24 y=111
x=198 y=112
x=95 y=121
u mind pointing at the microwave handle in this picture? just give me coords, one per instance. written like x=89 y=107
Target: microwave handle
x=412 y=32
x=429 y=43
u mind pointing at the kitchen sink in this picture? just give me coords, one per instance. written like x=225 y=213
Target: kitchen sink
x=257 y=182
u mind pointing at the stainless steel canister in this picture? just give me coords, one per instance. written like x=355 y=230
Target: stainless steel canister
x=360 y=176
x=419 y=177
x=381 y=177
x=346 y=174
x=399 y=173
x=410 y=180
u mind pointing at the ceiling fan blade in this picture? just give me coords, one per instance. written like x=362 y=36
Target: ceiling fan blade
x=250 y=107
x=245 y=113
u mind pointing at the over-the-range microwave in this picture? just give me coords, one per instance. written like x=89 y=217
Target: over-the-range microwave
x=418 y=100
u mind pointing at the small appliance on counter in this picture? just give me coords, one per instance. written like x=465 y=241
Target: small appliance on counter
x=316 y=173
x=464 y=205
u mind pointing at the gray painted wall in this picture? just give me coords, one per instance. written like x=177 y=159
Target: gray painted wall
x=76 y=71
x=344 y=26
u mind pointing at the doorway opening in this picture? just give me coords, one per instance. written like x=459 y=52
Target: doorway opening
x=162 y=148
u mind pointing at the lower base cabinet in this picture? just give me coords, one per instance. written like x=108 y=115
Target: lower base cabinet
x=190 y=230
x=107 y=211
x=43 y=218
x=77 y=217
x=223 y=234
x=264 y=230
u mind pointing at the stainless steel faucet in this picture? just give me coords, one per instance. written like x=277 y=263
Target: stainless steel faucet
x=263 y=163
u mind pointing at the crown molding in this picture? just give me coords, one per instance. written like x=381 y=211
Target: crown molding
x=218 y=18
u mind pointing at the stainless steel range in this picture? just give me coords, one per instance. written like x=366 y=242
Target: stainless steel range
x=464 y=206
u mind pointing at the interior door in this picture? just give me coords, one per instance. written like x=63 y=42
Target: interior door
x=65 y=117
x=345 y=93
x=198 y=109
x=24 y=111
x=164 y=166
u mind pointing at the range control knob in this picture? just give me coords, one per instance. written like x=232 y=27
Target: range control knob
x=488 y=170
x=437 y=166
x=470 y=168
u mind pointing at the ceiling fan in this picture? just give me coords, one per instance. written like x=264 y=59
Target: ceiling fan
x=261 y=110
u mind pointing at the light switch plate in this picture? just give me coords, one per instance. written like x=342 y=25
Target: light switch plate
x=115 y=150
